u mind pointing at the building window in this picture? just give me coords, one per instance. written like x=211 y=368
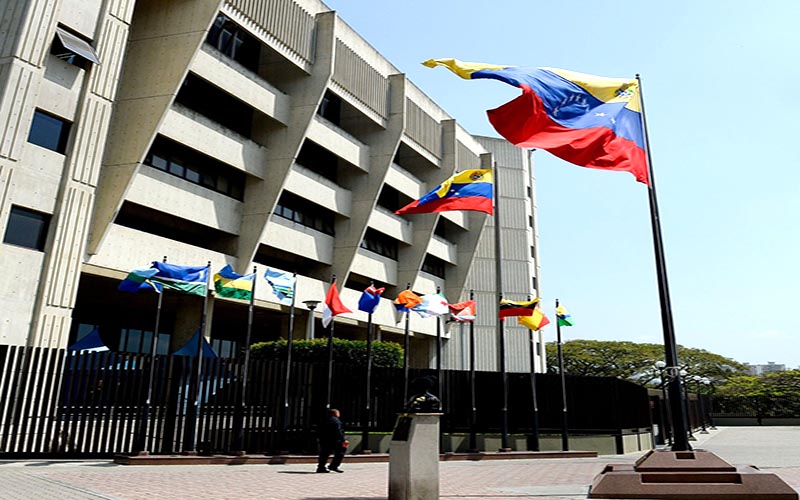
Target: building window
x=73 y=48
x=533 y=283
x=538 y=348
x=389 y=198
x=319 y=160
x=306 y=213
x=331 y=108
x=434 y=265
x=533 y=252
x=49 y=131
x=27 y=228
x=216 y=104
x=233 y=41
x=140 y=341
x=530 y=221
x=225 y=348
x=381 y=244
x=195 y=167
x=528 y=188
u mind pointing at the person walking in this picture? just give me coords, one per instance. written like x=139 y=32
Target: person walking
x=331 y=441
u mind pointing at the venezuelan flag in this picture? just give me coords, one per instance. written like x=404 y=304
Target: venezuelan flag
x=587 y=120
x=467 y=190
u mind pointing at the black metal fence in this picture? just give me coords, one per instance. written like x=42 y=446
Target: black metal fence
x=59 y=403
x=764 y=409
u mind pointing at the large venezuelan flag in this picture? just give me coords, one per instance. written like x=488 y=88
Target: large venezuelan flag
x=467 y=190
x=587 y=120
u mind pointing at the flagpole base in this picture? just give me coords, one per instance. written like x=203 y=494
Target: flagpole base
x=688 y=475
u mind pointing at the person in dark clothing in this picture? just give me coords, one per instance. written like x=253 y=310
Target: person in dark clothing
x=331 y=441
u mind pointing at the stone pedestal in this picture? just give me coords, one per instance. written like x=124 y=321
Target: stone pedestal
x=689 y=475
x=414 y=458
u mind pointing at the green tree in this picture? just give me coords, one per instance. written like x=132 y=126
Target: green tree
x=353 y=352
x=636 y=362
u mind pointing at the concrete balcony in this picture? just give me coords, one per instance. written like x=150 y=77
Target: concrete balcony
x=392 y=225
x=173 y=195
x=324 y=192
x=201 y=134
x=298 y=239
x=377 y=267
x=405 y=182
x=336 y=140
x=443 y=249
x=241 y=83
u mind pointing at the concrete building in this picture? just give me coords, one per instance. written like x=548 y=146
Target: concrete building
x=259 y=133
x=770 y=367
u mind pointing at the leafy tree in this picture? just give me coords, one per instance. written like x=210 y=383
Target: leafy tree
x=636 y=362
x=769 y=395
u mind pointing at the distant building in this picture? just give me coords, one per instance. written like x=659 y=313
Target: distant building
x=770 y=367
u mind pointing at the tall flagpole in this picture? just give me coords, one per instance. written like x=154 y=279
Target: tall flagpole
x=405 y=352
x=473 y=416
x=190 y=438
x=439 y=355
x=564 y=424
x=677 y=403
x=534 y=444
x=368 y=386
x=500 y=323
x=288 y=375
x=241 y=407
x=141 y=440
x=330 y=355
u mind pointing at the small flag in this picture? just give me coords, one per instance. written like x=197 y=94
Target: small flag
x=467 y=190
x=139 y=279
x=463 y=311
x=333 y=305
x=229 y=284
x=433 y=304
x=370 y=299
x=535 y=321
x=406 y=300
x=564 y=317
x=517 y=308
x=283 y=285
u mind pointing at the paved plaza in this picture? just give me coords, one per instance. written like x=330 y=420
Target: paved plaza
x=775 y=449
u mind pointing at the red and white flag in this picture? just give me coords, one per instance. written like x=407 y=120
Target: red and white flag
x=333 y=305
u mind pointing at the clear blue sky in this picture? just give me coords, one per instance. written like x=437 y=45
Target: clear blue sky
x=719 y=81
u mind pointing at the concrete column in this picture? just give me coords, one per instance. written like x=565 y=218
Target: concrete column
x=414 y=458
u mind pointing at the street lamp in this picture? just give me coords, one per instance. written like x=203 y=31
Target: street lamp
x=683 y=374
x=698 y=380
x=660 y=367
x=311 y=305
x=711 y=391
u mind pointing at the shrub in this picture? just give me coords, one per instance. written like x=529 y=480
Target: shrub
x=352 y=352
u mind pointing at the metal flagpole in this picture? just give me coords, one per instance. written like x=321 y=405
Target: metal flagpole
x=439 y=355
x=473 y=418
x=500 y=323
x=534 y=444
x=289 y=342
x=141 y=439
x=564 y=424
x=405 y=353
x=330 y=355
x=368 y=386
x=677 y=403
x=193 y=415
x=241 y=407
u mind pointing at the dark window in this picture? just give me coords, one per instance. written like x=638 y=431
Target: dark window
x=533 y=282
x=49 y=131
x=381 y=244
x=216 y=104
x=73 y=48
x=538 y=348
x=530 y=220
x=319 y=160
x=140 y=341
x=306 y=213
x=233 y=41
x=195 y=167
x=389 y=198
x=331 y=108
x=225 y=348
x=533 y=252
x=433 y=265
x=440 y=230
x=27 y=228
x=529 y=191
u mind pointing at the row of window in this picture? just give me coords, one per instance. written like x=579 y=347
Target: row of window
x=377 y=242
x=197 y=168
x=306 y=213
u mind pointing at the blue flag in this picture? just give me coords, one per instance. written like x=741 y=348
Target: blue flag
x=190 y=348
x=370 y=299
x=282 y=284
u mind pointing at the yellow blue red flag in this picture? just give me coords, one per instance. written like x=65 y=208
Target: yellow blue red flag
x=588 y=120
x=467 y=190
